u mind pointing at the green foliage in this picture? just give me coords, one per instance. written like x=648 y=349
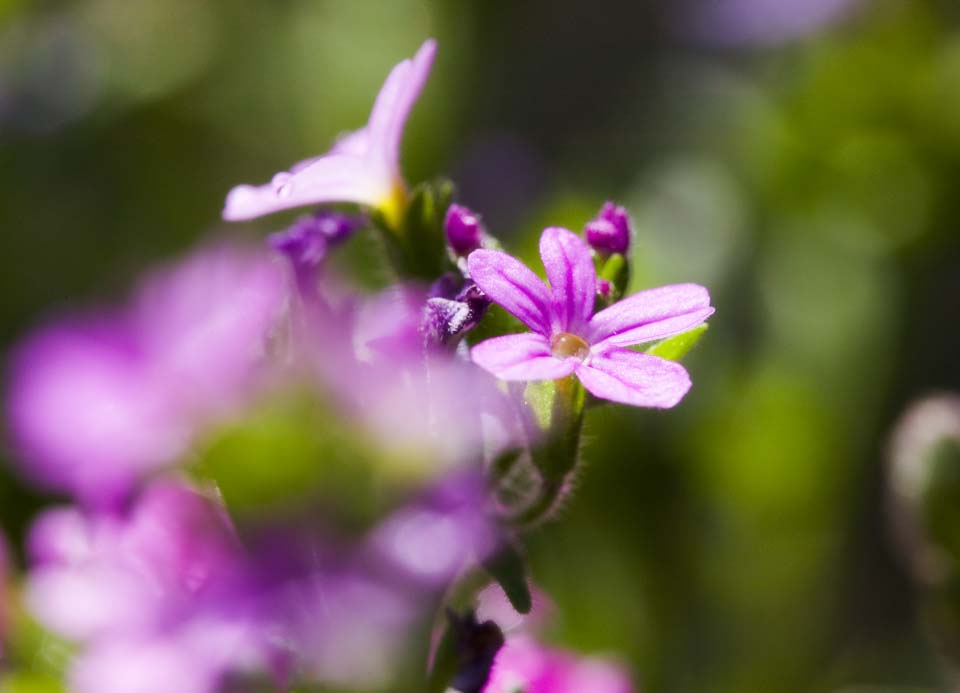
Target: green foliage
x=292 y=453
x=508 y=567
x=30 y=682
x=418 y=248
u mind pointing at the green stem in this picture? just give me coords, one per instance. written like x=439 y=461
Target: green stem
x=556 y=456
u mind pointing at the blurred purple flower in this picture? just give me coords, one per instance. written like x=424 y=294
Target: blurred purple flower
x=142 y=592
x=306 y=243
x=609 y=232
x=363 y=167
x=431 y=540
x=568 y=339
x=94 y=574
x=349 y=629
x=523 y=664
x=430 y=405
x=94 y=403
x=760 y=21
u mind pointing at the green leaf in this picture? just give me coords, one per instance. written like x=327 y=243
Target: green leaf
x=30 y=682
x=675 y=348
x=616 y=270
x=446 y=658
x=509 y=569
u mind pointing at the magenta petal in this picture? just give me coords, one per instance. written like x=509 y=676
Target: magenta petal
x=642 y=380
x=521 y=357
x=651 y=314
x=573 y=279
x=508 y=282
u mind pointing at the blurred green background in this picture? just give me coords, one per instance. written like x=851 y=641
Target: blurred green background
x=799 y=158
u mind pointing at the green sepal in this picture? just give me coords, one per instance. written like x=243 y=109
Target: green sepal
x=417 y=249
x=445 y=661
x=616 y=270
x=676 y=347
x=509 y=569
x=557 y=408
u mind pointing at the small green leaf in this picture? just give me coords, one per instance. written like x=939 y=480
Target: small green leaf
x=445 y=661
x=509 y=569
x=675 y=348
x=616 y=270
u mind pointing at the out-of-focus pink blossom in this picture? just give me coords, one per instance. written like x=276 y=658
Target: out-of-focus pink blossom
x=434 y=405
x=522 y=664
x=349 y=629
x=94 y=574
x=147 y=595
x=96 y=402
x=431 y=540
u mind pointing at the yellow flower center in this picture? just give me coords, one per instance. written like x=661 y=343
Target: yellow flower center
x=564 y=345
x=394 y=205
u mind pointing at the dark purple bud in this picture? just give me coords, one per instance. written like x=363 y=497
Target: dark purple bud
x=305 y=243
x=476 y=645
x=446 y=320
x=609 y=232
x=447 y=286
x=464 y=230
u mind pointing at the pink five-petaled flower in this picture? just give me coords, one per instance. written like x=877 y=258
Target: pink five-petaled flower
x=568 y=338
x=363 y=167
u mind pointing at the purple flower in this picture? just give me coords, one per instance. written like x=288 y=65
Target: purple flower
x=523 y=664
x=464 y=230
x=306 y=243
x=95 y=403
x=610 y=231
x=145 y=594
x=422 y=405
x=362 y=167
x=96 y=574
x=568 y=338
x=430 y=541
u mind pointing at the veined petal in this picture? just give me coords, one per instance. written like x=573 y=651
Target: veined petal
x=651 y=314
x=510 y=283
x=573 y=279
x=521 y=357
x=330 y=178
x=642 y=380
x=395 y=101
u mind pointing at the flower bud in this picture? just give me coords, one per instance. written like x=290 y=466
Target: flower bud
x=609 y=232
x=464 y=230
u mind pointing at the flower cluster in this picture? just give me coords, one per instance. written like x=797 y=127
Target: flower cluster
x=277 y=479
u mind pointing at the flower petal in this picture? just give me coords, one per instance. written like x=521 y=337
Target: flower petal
x=395 y=101
x=362 y=167
x=521 y=357
x=625 y=376
x=330 y=178
x=573 y=279
x=651 y=314
x=508 y=282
